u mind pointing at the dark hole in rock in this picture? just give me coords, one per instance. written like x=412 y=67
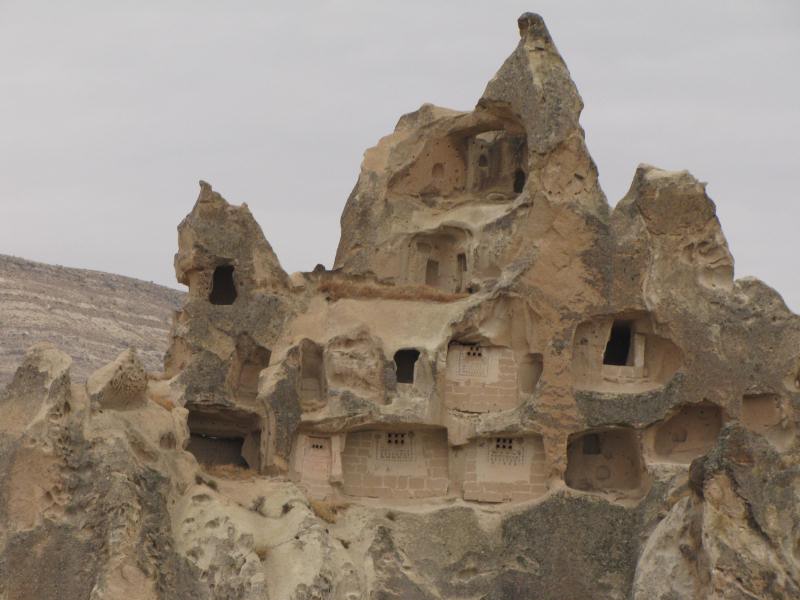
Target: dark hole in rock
x=591 y=444
x=210 y=450
x=404 y=361
x=519 y=181
x=225 y=437
x=223 y=288
x=618 y=347
x=462 y=269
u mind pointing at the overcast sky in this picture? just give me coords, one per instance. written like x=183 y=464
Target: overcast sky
x=111 y=111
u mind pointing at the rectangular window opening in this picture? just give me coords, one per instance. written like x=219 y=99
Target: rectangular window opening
x=404 y=362
x=618 y=348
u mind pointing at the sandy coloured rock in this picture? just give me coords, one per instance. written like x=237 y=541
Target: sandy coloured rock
x=502 y=389
x=90 y=315
x=120 y=384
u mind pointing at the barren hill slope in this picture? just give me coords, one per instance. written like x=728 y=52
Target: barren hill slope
x=91 y=315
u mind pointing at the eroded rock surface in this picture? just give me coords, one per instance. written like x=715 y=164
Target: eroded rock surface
x=503 y=389
x=90 y=315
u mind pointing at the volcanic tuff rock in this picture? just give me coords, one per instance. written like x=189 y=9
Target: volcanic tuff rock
x=503 y=389
x=93 y=316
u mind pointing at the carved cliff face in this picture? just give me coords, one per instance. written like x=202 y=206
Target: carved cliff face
x=492 y=334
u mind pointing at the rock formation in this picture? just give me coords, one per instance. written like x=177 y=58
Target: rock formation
x=503 y=389
x=93 y=316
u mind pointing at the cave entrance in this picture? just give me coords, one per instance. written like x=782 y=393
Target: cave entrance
x=622 y=354
x=439 y=259
x=605 y=460
x=223 y=287
x=618 y=348
x=221 y=437
x=495 y=162
x=690 y=433
x=404 y=361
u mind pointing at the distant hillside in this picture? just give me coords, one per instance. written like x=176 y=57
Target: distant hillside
x=90 y=315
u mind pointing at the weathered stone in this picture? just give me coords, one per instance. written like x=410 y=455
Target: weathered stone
x=120 y=384
x=90 y=315
x=504 y=389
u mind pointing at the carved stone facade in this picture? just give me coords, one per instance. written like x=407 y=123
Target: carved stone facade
x=503 y=389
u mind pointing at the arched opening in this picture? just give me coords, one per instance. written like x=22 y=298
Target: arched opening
x=519 y=181
x=223 y=288
x=404 y=361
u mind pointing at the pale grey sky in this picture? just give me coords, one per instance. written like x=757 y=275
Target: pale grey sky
x=110 y=111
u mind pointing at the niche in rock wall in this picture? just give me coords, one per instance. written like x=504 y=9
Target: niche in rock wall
x=312 y=390
x=409 y=463
x=223 y=286
x=490 y=164
x=251 y=358
x=689 y=433
x=530 y=371
x=496 y=162
x=607 y=460
x=765 y=414
x=438 y=170
x=487 y=378
x=225 y=437
x=505 y=468
x=312 y=463
x=404 y=363
x=439 y=259
x=622 y=355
